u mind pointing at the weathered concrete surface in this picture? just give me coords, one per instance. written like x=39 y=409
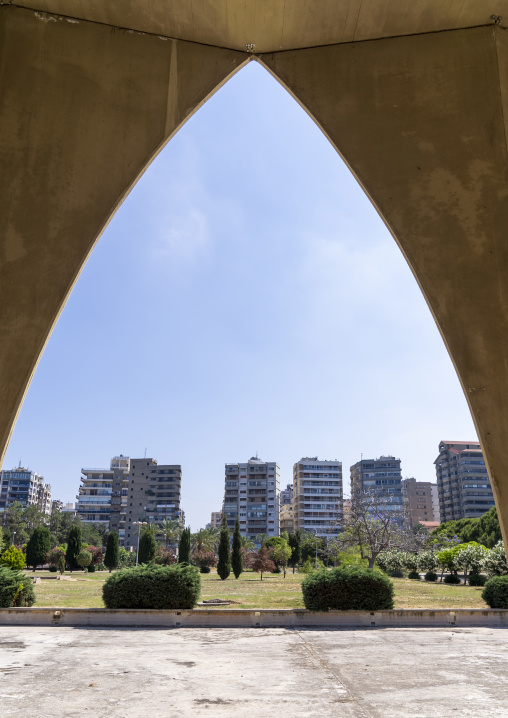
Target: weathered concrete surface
x=248 y=618
x=256 y=673
x=422 y=122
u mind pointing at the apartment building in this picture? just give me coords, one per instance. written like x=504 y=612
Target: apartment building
x=94 y=497
x=154 y=492
x=25 y=487
x=286 y=496
x=463 y=483
x=420 y=500
x=318 y=497
x=120 y=466
x=286 y=519
x=251 y=492
x=382 y=479
x=215 y=520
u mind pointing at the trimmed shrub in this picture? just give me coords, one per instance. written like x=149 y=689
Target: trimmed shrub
x=495 y=592
x=152 y=586
x=204 y=569
x=16 y=588
x=414 y=575
x=53 y=569
x=477 y=579
x=347 y=588
x=452 y=578
x=310 y=565
x=431 y=576
x=396 y=573
x=13 y=558
x=91 y=568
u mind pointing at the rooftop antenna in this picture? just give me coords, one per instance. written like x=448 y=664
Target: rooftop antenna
x=19 y=465
x=145 y=452
x=257 y=457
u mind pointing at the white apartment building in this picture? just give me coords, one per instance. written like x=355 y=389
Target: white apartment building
x=252 y=493
x=94 y=498
x=25 y=487
x=318 y=497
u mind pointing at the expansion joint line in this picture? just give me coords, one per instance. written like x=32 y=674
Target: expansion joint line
x=326 y=667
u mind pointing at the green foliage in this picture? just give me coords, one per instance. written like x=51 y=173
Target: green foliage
x=477 y=579
x=84 y=558
x=61 y=564
x=73 y=547
x=428 y=561
x=224 y=563
x=296 y=550
x=236 y=552
x=16 y=588
x=151 y=586
x=281 y=554
x=452 y=578
x=204 y=559
x=13 y=558
x=431 y=576
x=184 y=547
x=204 y=569
x=495 y=592
x=495 y=561
x=38 y=546
x=147 y=547
x=111 y=559
x=414 y=575
x=126 y=559
x=485 y=530
x=395 y=573
x=262 y=562
x=311 y=565
x=347 y=588
x=53 y=557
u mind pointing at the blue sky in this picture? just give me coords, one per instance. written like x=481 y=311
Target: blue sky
x=246 y=297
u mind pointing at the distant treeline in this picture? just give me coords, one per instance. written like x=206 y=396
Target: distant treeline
x=485 y=530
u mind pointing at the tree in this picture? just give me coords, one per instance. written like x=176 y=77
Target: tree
x=15 y=525
x=111 y=559
x=470 y=556
x=147 y=546
x=495 y=561
x=204 y=540
x=282 y=553
x=170 y=530
x=224 y=563
x=296 y=551
x=73 y=547
x=84 y=559
x=13 y=558
x=184 y=547
x=485 y=529
x=33 y=517
x=54 y=556
x=236 y=553
x=38 y=546
x=262 y=562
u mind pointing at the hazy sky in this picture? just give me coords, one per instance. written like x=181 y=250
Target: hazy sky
x=246 y=297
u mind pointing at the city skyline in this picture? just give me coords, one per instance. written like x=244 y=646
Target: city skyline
x=245 y=270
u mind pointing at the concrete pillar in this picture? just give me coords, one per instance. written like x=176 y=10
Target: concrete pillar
x=421 y=122
x=84 y=108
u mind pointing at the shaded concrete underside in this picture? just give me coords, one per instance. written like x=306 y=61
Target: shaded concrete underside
x=390 y=673
x=419 y=119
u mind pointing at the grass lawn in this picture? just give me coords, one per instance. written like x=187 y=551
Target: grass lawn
x=84 y=590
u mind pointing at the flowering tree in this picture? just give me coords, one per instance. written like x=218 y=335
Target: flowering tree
x=204 y=559
x=53 y=556
x=471 y=557
x=428 y=561
x=495 y=560
x=164 y=556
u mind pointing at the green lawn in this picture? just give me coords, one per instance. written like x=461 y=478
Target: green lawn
x=84 y=590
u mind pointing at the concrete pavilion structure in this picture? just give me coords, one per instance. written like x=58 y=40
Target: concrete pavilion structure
x=414 y=96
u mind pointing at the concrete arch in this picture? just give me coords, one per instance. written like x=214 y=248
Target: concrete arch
x=420 y=119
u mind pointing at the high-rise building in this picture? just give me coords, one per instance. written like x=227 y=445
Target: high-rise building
x=252 y=493
x=94 y=497
x=120 y=466
x=215 y=519
x=318 y=497
x=154 y=492
x=286 y=519
x=463 y=483
x=420 y=501
x=25 y=487
x=380 y=478
x=286 y=495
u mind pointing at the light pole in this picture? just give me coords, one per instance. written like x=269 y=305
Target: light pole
x=13 y=534
x=138 y=523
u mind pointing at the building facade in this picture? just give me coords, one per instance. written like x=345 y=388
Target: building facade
x=286 y=496
x=463 y=483
x=120 y=466
x=318 y=496
x=420 y=501
x=215 y=519
x=382 y=479
x=25 y=487
x=154 y=493
x=251 y=492
x=94 y=498
x=286 y=519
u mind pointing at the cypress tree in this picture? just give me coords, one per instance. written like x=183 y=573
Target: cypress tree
x=236 y=553
x=296 y=554
x=224 y=564
x=38 y=546
x=147 y=547
x=184 y=547
x=73 y=547
x=112 y=552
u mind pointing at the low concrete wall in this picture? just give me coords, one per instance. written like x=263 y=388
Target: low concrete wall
x=244 y=618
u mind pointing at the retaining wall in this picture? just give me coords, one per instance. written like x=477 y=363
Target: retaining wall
x=245 y=618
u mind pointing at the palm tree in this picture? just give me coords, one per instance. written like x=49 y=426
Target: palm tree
x=203 y=540
x=247 y=543
x=171 y=530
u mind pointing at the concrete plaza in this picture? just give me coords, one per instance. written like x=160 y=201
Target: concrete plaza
x=365 y=673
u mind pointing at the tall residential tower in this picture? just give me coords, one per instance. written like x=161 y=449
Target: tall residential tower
x=251 y=492
x=318 y=498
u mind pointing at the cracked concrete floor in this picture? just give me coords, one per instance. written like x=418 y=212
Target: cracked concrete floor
x=255 y=673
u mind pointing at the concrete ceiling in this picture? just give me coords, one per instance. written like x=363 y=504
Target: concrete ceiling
x=274 y=25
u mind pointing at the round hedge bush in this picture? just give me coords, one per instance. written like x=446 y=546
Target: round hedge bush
x=16 y=588
x=414 y=575
x=452 y=578
x=396 y=573
x=431 y=576
x=477 y=579
x=347 y=588
x=204 y=569
x=152 y=586
x=495 y=592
